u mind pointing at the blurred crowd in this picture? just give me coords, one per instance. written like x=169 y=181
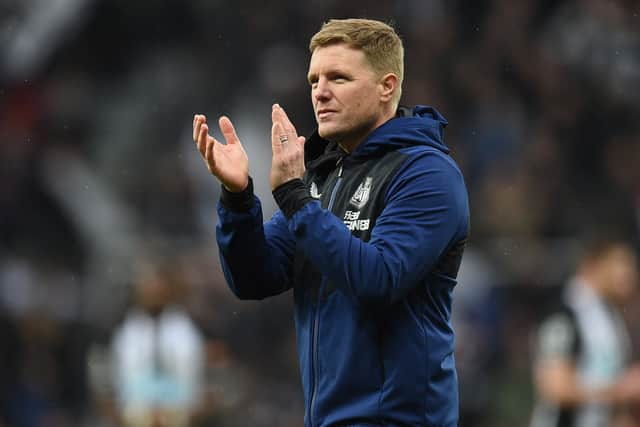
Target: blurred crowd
x=99 y=179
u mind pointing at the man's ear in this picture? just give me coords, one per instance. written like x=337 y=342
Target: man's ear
x=388 y=87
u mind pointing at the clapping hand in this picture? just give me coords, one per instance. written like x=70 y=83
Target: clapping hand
x=287 y=161
x=227 y=162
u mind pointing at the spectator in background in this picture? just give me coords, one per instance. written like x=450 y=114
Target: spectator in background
x=582 y=373
x=157 y=358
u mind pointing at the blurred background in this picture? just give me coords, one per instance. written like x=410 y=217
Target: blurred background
x=108 y=214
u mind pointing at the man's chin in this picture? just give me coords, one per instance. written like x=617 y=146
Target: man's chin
x=328 y=134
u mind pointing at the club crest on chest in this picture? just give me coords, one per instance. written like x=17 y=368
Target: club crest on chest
x=361 y=195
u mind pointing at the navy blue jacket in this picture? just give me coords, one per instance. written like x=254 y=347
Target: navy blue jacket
x=371 y=243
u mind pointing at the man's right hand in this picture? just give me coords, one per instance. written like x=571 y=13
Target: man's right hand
x=227 y=162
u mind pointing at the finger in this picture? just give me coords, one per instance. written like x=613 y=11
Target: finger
x=208 y=156
x=301 y=141
x=202 y=139
x=228 y=131
x=198 y=120
x=275 y=117
x=276 y=133
x=196 y=130
x=284 y=119
x=285 y=131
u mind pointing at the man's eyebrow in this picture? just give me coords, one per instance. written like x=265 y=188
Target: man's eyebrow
x=337 y=71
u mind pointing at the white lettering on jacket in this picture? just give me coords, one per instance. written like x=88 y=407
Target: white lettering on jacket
x=354 y=223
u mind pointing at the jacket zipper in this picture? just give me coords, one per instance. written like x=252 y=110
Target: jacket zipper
x=314 y=344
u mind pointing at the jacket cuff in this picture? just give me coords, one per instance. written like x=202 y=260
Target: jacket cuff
x=291 y=197
x=237 y=202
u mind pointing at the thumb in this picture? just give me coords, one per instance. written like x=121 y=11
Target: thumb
x=301 y=141
x=228 y=131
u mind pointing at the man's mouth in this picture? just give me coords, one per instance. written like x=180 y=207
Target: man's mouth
x=324 y=113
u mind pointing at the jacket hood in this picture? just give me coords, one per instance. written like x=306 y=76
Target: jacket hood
x=420 y=125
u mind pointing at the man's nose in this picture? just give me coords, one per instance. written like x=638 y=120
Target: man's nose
x=321 y=91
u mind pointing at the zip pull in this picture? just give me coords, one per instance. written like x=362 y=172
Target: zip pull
x=339 y=163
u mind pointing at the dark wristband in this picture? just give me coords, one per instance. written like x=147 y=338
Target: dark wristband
x=238 y=202
x=291 y=196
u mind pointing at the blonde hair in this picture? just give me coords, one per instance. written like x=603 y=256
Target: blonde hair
x=378 y=41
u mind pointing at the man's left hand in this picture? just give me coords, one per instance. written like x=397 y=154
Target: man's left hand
x=287 y=161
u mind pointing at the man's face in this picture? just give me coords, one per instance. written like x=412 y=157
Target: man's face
x=345 y=92
x=618 y=271
x=152 y=291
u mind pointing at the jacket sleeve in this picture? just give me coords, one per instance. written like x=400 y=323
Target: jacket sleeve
x=426 y=210
x=256 y=258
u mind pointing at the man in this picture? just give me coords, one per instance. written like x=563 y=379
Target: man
x=581 y=372
x=156 y=357
x=369 y=236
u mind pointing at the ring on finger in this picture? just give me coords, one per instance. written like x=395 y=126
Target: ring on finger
x=283 y=139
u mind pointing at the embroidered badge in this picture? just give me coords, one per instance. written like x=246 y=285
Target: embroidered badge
x=314 y=191
x=361 y=196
